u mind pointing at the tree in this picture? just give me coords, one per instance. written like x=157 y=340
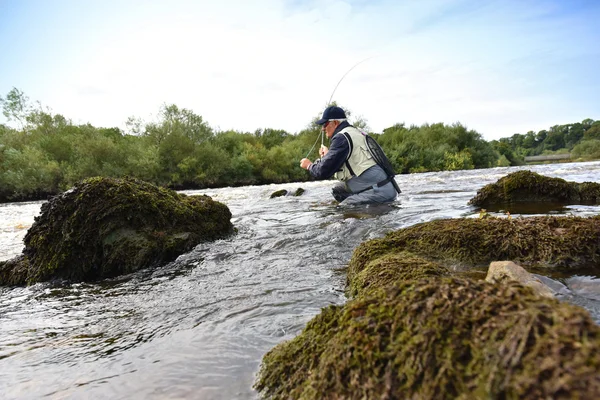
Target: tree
x=593 y=132
x=271 y=137
x=177 y=121
x=587 y=150
x=16 y=106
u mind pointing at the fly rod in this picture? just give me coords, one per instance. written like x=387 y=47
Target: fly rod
x=322 y=133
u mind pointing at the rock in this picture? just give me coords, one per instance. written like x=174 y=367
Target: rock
x=107 y=227
x=527 y=186
x=440 y=338
x=279 y=193
x=299 y=192
x=543 y=242
x=413 y=332
x=501 y=271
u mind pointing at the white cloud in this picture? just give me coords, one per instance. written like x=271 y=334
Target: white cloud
x=274 y=63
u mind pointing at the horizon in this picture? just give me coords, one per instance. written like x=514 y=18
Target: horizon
x=498 y=68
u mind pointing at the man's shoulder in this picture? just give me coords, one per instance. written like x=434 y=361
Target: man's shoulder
x=339 y=139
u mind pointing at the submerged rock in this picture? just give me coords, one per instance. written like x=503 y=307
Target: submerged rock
x=440 y=338
x=279 y=193
x=106 y=227
x=527 y=186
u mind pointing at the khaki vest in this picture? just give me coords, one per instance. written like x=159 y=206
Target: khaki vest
x=359 y=158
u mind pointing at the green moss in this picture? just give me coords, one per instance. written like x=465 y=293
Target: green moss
x=544 y=242
x=299 y=192
x=287 y=366
x=589 y=192
x=105 y=227
x=391 y=268
x=527 y=186
x=14 y=272
x=440 y=338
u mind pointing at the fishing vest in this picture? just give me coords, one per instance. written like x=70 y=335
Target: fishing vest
x=359 y=157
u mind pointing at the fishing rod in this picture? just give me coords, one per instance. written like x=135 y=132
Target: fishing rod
x=322 y=133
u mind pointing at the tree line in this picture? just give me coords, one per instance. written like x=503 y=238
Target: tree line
x=43 y=153
x=580 y=139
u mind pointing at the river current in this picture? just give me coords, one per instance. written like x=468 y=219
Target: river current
x=198 y=327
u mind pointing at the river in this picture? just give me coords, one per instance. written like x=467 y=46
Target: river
x=198 y=327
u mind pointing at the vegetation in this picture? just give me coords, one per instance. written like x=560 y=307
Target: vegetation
x=42 y=153
x=581 y=139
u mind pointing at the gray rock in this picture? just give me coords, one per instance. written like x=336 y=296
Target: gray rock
x=500 y=271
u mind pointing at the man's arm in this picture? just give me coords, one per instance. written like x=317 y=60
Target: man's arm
x=333 y=160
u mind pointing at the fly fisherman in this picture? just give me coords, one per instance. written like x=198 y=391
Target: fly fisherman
x=349 y=160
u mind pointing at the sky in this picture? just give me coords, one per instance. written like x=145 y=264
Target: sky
x=498 y=67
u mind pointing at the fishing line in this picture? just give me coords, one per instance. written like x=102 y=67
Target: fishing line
x=322 y=133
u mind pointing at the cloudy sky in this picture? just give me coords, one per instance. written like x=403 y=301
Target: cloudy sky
x=499 y=67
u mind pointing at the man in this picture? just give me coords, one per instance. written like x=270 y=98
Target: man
x=349 y=160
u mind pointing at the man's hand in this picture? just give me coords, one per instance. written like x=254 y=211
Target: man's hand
x=323 y=150
x=305 y=163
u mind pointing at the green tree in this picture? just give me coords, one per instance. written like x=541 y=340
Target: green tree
x=16 y=106
x=587 y=150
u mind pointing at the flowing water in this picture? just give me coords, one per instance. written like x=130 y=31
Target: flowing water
x=198 y=327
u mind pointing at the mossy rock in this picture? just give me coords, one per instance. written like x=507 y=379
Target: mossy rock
x=440 y=338
x=279 y=193
x=527 y=186
x=542 y=242
x=107 y=227
x=299 y=192
x=390 y=268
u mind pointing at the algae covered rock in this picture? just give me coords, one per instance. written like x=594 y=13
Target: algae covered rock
x=105 y=227
x=390 y=268
x=440 y=338
x=279 y=193
x=527 y=186
x=544 y=242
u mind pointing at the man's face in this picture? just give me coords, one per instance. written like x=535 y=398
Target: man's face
x=329 y=128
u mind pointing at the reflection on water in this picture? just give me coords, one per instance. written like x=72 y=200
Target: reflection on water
x=199 y=326
x=532 y=208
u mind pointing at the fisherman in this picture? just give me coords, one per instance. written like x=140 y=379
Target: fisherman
x=349 y=160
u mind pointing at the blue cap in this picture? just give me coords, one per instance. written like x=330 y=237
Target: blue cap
x=332 y=112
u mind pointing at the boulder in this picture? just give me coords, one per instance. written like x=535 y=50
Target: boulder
x=440 y=338
x=502 y=271
x=106 y=227
x=528 y=186
x=411 y=330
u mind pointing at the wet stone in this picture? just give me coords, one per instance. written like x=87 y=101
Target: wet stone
x=106 y=227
